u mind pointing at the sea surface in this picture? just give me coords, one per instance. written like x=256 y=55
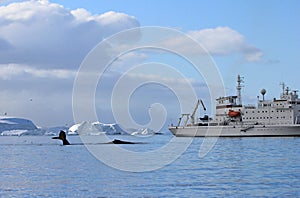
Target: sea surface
x=37 y=166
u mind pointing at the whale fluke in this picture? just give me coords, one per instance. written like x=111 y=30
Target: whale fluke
x=62 y=136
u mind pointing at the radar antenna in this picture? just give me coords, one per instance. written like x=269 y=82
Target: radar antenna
x=263 y=92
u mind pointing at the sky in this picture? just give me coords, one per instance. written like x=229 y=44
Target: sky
x=43 y=43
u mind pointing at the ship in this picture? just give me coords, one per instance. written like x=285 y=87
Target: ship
x=269 y=118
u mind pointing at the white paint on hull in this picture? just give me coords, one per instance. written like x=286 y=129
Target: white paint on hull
x=236 y=131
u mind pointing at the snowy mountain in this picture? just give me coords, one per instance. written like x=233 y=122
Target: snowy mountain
x=18 y=126
x=11 y=123
x=12 y=126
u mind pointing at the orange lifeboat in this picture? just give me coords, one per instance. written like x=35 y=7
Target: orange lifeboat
x=233 y=114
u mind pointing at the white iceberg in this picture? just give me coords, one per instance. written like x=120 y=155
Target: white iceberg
x=84 y=128
x=98 y=128
x=143 y=132
x=95 y=128
x=13 y=132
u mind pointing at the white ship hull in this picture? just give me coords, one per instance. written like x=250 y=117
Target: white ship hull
x=237 y=131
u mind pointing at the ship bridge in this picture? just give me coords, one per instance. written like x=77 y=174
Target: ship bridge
x=227 y=102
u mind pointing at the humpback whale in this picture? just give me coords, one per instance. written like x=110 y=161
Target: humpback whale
x=116 y=141
x=62 y=136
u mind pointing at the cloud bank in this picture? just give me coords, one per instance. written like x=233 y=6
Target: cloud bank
x=41 y=33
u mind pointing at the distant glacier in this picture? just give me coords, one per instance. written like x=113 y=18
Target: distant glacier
x=12 y=126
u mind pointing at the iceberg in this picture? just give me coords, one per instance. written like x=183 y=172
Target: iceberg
x=95 y=128
x=84 y=128
x=98 y=128
x=13 y=132
x=143 y=132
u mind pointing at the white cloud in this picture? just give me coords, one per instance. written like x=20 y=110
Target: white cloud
x=220 y=41
x=47 y=34
x=11 y=71
x=81 y=15
x=225 y=41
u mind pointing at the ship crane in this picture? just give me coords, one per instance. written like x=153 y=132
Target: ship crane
x=199 y=101
x=186 y=116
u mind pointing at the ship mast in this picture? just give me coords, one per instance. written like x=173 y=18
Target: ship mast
x=239 y=88
x=283 y=87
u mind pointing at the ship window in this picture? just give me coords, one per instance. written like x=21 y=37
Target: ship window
x=258 y=112
x=266 y=111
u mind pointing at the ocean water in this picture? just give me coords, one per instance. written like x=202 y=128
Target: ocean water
x=37 y=166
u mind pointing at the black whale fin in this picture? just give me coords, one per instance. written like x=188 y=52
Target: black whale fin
x=62 y=136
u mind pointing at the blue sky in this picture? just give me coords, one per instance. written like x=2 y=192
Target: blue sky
x=270 y=25
x=37 y=66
